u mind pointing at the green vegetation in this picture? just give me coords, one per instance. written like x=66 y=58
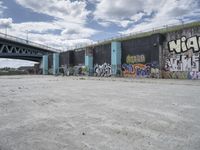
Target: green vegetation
x=11 y=71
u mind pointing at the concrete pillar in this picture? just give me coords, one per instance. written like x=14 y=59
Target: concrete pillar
x=45 y=65
x=89 y=60
x=116 y=54
x=55 y=63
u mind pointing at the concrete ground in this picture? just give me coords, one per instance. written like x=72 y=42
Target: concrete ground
x=80 y=113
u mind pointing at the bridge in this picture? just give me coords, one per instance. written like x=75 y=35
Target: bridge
x=17 y=48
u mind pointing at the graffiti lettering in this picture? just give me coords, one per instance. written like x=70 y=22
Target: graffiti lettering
x=175 y=75
x=183 y=45
x=181 y=75
x=183 y=62
x=140 y=70
x=194 y=75
x=135 y=59
x=76 y=70
x=103 y=70
x=80 y=70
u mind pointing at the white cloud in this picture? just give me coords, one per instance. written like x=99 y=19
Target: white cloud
x=44 y=33
x=6 y=22
x=38 y=27
x=77 y=33
x=57 y=41
x=105 y=23
x=118 y=11
x=168 y=12
x=126 y=12
x=138 y=16
x=72 y=11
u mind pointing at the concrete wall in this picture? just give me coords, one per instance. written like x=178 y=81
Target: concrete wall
x=140 y=57
x=102 y=60
x=102 y=54
x=181 y=51
x=50 y=61
x=45 y=65
x=79 y=57
x=67 y=58
x=172 y=54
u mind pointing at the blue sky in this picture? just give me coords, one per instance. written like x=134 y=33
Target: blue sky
x=66 y=23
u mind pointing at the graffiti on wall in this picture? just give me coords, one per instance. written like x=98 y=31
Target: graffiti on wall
x=135 y=70
x=183 y=61
x=181 y=75
x=80 y=70
x=140 y=70
x=103 y=70
x=135 y=59
x=74 y=71
x=175 y=74
x=185 y=44
x=135 y=67
x=194 y=75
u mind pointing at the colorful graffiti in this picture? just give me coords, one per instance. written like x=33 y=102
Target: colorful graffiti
x=140 y=70
x=103 y=70
x=135 y=59
x=136 y=70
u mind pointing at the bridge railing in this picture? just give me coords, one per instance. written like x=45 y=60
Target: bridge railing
x=123 y=36
x=27 y=42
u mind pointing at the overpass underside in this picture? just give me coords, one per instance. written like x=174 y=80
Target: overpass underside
x=16 y=50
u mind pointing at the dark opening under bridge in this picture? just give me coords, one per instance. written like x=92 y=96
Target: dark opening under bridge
x=17 y=48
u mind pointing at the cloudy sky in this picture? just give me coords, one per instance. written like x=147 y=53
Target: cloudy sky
x=66 y=23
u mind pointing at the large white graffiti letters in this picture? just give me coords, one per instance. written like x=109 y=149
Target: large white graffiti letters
x=103 y=70
x=182 y=62
x=183 y=44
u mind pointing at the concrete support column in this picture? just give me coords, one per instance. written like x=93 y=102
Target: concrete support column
x=116 y=54
x=55 y=63
x=45 y=65
x=89 y=60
